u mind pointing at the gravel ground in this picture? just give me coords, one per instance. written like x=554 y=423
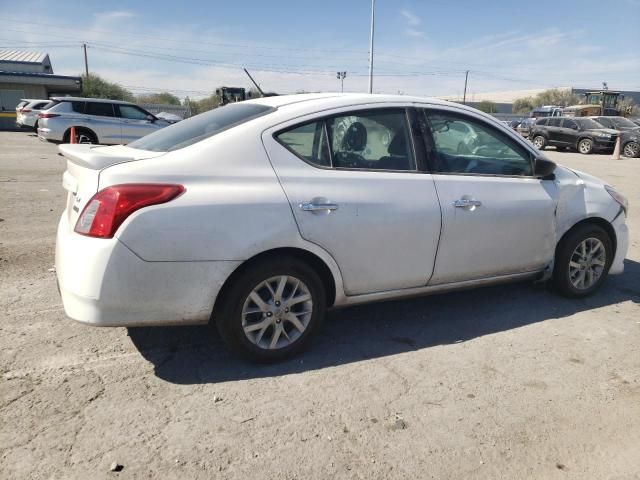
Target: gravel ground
x=501 y=382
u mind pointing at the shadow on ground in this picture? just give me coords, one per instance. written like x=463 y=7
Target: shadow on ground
x=190 y=355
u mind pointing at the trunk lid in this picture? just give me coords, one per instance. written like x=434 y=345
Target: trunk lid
x=84 y=165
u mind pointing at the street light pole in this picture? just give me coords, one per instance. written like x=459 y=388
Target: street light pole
x=373 y=8
x=86 y=64
x=340 y=76
x=464 y=95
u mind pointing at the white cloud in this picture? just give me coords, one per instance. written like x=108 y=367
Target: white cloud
x=411 y=18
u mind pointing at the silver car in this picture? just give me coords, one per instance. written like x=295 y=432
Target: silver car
x=96 y=121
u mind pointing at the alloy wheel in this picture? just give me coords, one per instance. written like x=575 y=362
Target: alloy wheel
x=631 y=149
x=587 y=263
x=585 y=146
x=538 y=142
x=277 y=312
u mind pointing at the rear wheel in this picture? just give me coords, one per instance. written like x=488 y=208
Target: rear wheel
x=582 y=262
x=631 y=149
x=83 y=135
x=585 y=146
x=539 y=142
x=272 y=309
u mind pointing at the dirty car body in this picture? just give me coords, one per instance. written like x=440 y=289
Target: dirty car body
x=258 y=216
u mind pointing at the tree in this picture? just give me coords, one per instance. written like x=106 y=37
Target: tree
x=163 y=98
x=557 y=96
x=524 y=105
x=487 y=106
x=628 y=107
x=205 y=104
x=94 y=86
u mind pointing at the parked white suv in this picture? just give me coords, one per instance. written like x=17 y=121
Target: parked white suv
x=98 y=121
x=27 y=112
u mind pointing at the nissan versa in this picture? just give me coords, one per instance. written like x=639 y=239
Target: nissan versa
x=258 y=216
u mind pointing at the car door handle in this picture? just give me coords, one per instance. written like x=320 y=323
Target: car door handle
x=316 y=207
x=466 y=202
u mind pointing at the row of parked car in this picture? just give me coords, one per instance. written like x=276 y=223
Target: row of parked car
x=95 y=120
x=583 y=134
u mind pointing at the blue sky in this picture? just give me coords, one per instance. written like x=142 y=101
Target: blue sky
x=422 y=46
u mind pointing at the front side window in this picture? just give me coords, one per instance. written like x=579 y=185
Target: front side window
x=542 y=121
x=466 y=145
x=554 y=122
x=132 y=113
x=99 y=108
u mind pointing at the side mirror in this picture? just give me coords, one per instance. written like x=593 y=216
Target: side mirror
x=543 y=168
x=151 y=118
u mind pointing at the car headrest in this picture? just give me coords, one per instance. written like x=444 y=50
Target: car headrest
x=398 y=146
x=355 y=138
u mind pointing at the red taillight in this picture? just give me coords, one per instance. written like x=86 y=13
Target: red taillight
x=48 y=115
x=108 y=208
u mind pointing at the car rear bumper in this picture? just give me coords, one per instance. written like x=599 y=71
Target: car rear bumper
x=622 y=241
x=103 y=283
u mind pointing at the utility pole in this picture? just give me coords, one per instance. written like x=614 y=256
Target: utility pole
x=340 y=76
x=464 y=95
x=373 y=8
x=86 y=64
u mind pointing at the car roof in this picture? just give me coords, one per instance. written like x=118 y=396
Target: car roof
x=87 y=99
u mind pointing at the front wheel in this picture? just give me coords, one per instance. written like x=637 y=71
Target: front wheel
x=272 y=310
x=582 y=262
x=539 y=142
x=585 y=146
x=631 y=150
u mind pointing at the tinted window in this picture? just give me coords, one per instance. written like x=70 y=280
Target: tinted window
x=377 y=140
x=196 y=129
x=100 y=109
x=622 y=122
x=482 y=150
x=77 y=107
x=605 y=122
x=566 y=123
x=542 y=121
x=554 y=122
x=309 y=142
x=131 y=112
x=587 y=123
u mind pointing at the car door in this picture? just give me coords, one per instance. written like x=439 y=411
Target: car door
x=101 y=119
x=135 y=122
x=554 y=131
x=355 y=189
x=569 y=132
x=498 y=219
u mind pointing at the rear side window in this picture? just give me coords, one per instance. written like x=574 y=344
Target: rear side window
x=77 y=107
x=100 y=109
x=566 y=123
x=554 y=122
x=308 y=141
x=362 y=140
x=196 y=129
x=542 y=122
x=40 y=105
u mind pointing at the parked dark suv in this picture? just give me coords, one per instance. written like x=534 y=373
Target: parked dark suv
x=582 y=134
x=629 y=133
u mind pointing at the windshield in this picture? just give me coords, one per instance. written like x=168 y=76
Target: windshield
x=587 y=123
x=196 y=129
x=605 y=122
x=624 y=122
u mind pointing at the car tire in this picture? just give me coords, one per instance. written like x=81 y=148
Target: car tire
x=83 y=135
x=264 y=302
x=35 y=127
x=631 y=150
x=539 y=142
x=585 y=146
x=583 y=258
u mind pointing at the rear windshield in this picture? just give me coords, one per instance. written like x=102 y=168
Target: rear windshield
x=205 y=125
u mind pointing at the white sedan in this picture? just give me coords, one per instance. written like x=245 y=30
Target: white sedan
x=258 y=216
